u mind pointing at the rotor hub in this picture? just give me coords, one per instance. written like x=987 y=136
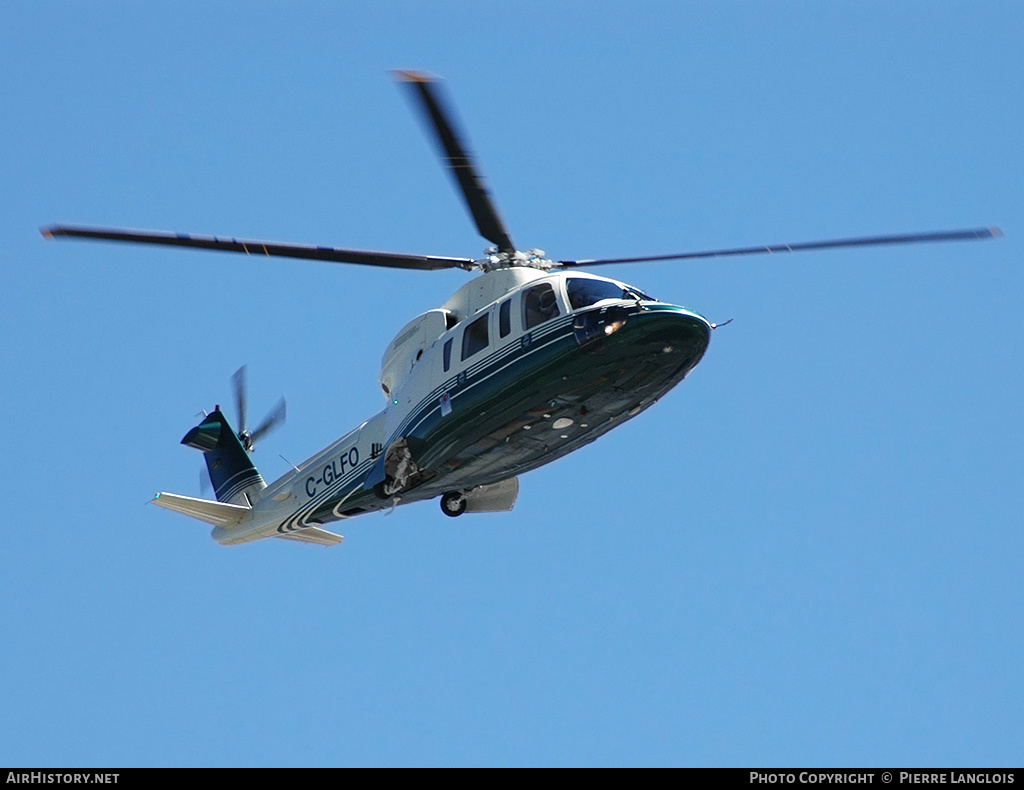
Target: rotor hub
x=533 y=259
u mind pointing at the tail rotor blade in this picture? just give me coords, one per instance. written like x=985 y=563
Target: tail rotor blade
x=273 y=420
x=238 y=382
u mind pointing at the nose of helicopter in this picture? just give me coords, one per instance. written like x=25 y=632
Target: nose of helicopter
x=669 y=329
x=674 y=331
x=666 y=335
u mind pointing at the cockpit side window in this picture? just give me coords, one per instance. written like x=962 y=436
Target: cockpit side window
x=584 y=292
x=474 y=338
x=505 y=318
x=447 y=354
x=539 y=305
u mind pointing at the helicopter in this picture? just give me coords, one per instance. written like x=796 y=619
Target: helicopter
x=530 y=360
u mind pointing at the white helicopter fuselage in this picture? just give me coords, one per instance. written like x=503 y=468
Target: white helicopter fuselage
x=518 y=368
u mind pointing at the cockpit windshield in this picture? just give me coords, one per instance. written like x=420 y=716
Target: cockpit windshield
x=636 y=293
x=584 y=292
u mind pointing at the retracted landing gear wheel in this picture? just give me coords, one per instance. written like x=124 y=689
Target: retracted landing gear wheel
x=453 y=504
x=379 y=489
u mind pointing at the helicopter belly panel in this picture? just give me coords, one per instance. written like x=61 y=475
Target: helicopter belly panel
x=548 y=393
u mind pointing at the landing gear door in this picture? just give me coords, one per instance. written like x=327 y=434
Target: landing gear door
x=494 y=497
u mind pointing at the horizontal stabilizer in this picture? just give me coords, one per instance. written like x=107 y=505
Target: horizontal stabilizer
x=314 y=535
x=220 y=514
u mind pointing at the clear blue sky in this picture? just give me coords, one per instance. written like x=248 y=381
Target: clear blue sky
x=807 y=554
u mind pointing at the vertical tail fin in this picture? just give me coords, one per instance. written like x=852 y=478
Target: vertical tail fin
x=234 y=476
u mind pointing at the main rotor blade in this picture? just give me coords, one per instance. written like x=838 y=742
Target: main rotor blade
x=460 y=163
x=867 y=241
x=275 y=249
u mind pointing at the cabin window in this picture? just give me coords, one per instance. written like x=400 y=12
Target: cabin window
x=539 y=305
x=474 y=338
x=584 y=292
x=447 y=354
x=505 y=318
